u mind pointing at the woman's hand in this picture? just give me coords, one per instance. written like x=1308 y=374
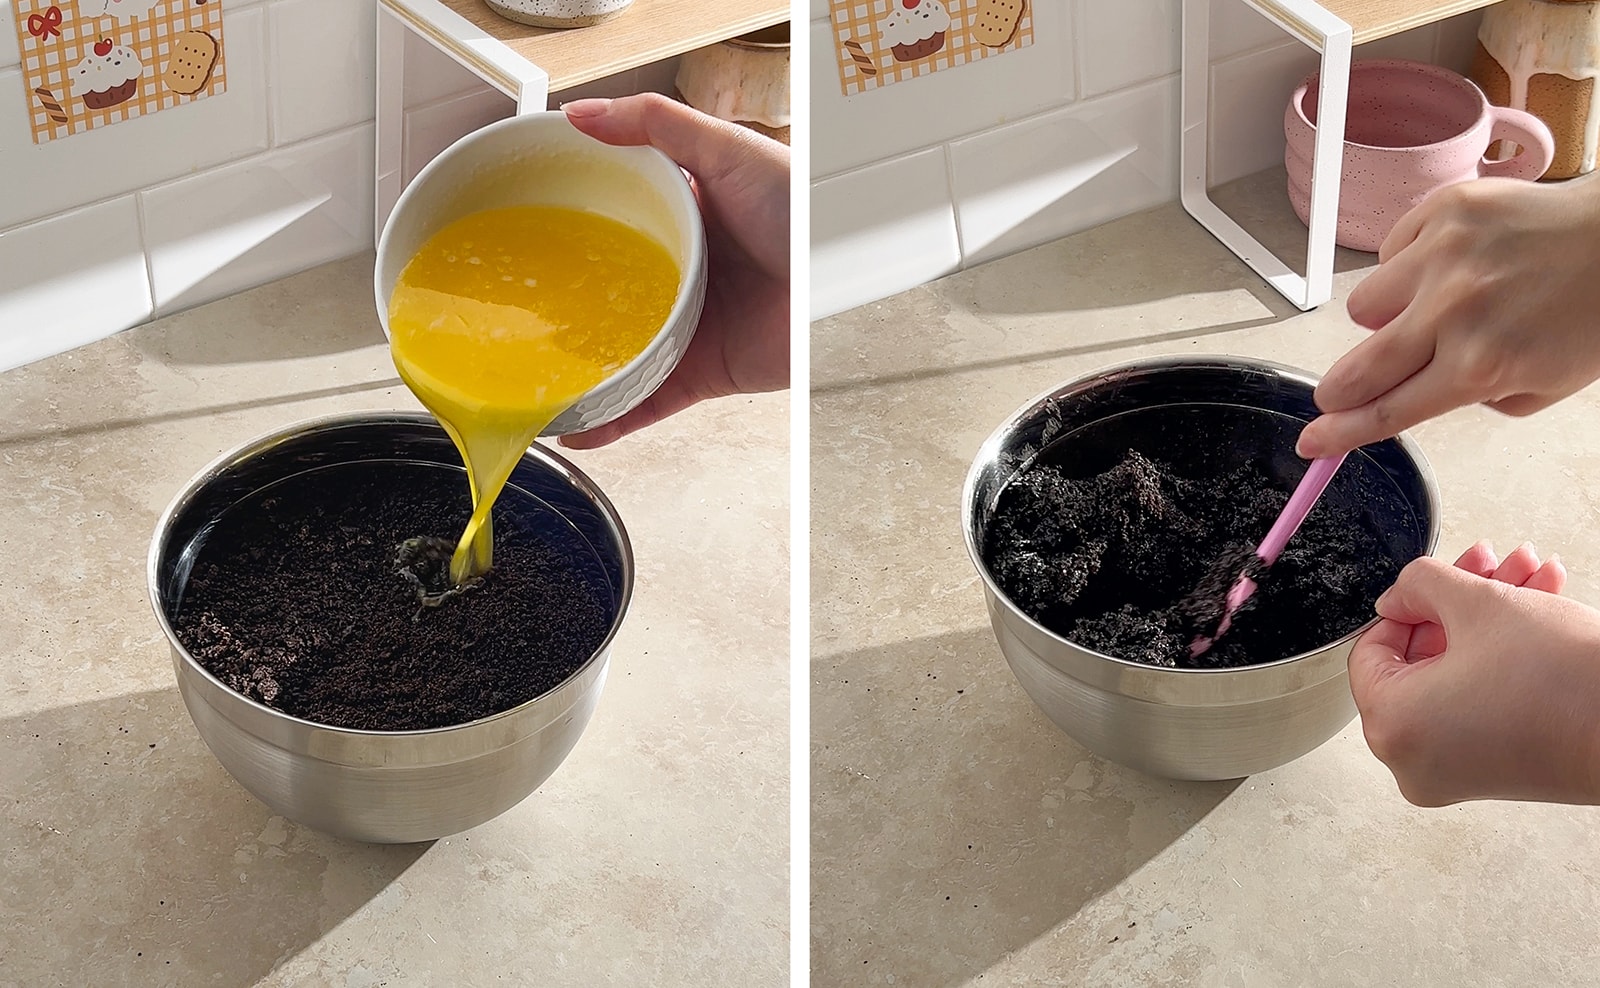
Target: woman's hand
x=1481 y=682
x=741 y=180
x=1489 y=291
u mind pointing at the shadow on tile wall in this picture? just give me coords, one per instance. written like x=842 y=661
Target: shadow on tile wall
x=194 y=883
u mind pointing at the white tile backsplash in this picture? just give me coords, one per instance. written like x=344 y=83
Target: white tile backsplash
x=236 y=227
x=882 y=123
x=1062 y=172
x=71 y=279
x=48 y=178
x=434 y=127
x=431 y=74
x=1236 y=28
x=102 y=230
x=1121 y=44
x=276 y=174
x=324 y=66
x=1075 y=131
x=659 y=79
x=10 y=55
x=880 y=230
x=1248 y=96
x=1250 y=92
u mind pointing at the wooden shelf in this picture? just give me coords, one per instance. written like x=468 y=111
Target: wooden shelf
x=1374 y=19
x=646 y=32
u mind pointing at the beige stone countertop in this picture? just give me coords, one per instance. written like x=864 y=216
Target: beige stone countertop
x=959 y=838
x=656 y=855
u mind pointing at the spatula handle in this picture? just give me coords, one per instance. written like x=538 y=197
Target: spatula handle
x=1300 y=504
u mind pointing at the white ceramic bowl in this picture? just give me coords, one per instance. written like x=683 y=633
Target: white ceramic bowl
x=540 y=159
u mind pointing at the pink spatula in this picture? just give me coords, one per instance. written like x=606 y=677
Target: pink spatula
x=1289 y=521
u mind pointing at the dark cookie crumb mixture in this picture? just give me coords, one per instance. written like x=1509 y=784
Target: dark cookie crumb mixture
x=295 y=600
x=1136 y=562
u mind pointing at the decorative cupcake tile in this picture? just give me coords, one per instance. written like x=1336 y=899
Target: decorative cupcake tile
x=881 y=42
x=90 y=63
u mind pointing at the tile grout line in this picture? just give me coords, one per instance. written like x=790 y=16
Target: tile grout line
x=438 y=101
x=162 y=183
x=1072 y=12
x=1033 y=117
x=269 y=47
x=144 y=250
x=168 y=182
x=955 y=204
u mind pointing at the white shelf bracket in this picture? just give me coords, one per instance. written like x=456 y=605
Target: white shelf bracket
x=1332 y=37
x=465 y=43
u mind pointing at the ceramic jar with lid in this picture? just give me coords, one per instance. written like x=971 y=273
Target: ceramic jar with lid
x=745 y=80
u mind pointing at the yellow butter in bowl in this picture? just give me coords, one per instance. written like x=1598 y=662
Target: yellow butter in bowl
x=506 y=317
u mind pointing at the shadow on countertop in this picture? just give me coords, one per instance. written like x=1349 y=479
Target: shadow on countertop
x=132 y=858
x=1107 y=347
x=1176 y=256
x=1153 y=278
x=949 y=834
x=1260 y=204
x=326 y=310
x=108 y=425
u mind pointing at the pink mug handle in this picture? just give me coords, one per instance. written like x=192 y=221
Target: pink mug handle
x=1528 y=132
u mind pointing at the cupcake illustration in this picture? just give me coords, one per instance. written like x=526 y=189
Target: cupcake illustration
x=107 y=76
x=914 y=28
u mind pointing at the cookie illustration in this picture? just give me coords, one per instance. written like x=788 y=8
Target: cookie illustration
x=52 y=107
x=108 y=75
x=996 y=22
x=122 y=10
x=915 y=28
x=859 y=56
x=194 y=54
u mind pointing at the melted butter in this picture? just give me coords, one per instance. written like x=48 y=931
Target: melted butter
x=505 y=318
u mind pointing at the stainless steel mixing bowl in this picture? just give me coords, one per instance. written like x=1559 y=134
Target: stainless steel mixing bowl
x=1181 y=723
x=398 y=786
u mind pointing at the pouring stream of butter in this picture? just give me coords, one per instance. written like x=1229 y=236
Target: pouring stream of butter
x=505 y=318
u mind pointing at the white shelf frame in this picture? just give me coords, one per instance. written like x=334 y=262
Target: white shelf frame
x=1332 y=38
x=471 y=47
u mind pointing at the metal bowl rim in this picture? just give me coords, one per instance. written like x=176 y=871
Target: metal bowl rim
x=261 y=444
x=1160 y=363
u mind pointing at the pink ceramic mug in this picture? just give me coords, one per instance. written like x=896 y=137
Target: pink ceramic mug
x=1411 y=128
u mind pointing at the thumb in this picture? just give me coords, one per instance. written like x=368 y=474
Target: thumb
x=1378 y=655
x=672 y=397
x=702 y=145
x=1432 y=591
x=1429 y=592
